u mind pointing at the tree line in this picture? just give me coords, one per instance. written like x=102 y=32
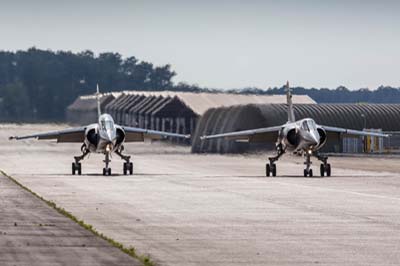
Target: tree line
x=37 y=85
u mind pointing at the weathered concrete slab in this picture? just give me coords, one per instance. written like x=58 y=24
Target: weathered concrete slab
x=32 y=233
x=186 y=209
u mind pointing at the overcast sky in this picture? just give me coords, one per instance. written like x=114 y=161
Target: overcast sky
x=224 y=44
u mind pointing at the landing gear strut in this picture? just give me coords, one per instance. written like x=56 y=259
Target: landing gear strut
x=325 y=167
x=107 y=169
x=128 y=165
x=270 y=168
x=308 y=171
x=77 y=166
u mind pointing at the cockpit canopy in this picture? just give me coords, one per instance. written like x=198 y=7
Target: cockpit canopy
x=308 y=125
x=106 y=122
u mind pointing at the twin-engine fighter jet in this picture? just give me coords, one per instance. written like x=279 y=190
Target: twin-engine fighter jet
x=104 y=137
x=302 y=137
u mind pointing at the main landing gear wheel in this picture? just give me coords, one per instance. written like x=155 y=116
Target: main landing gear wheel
x=106 y=171
x=76 y=168
x=308 y=173
x=128 y=167
x=328 y=170
x=325 y=169
x=270 y=169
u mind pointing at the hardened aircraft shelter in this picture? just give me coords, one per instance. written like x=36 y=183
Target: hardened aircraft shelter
x=211 y=113
x=177 y=112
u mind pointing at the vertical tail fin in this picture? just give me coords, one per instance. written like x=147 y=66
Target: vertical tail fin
x=98 y=101
x=291 y=117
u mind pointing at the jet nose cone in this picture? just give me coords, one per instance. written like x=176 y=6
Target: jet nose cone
x=110 y=136
x=314 y=139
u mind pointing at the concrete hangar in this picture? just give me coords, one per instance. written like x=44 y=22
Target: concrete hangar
x=210 y=113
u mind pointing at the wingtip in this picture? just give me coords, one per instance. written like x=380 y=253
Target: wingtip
x=12 y=137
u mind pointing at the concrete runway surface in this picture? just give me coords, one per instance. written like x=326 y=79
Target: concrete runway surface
x=185 y=209
x=32 y=233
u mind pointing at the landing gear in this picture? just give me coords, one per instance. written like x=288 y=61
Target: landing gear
x=325 y=167
x=128 y=168
x=128 y=165
x=107 y=169
x=270 y=168
x=76 y=166
x=308 y=171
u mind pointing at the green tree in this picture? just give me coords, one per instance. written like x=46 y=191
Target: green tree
x=14 y=102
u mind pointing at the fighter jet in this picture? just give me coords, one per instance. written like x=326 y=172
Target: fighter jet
x=104 y=137
x=302 y=137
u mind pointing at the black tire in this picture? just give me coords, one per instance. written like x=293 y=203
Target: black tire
x=73 y=168
x=273 y=169
x=305 y=173
x=268 y=170
x=131 y=168
x=310 y=173
x=104 y=171
x=109 y=171
x=79 y=169
x=328 y=170
x=125 y=169
x=322 y=170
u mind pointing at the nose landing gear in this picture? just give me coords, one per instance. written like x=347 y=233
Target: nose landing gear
x=308 y=171
x=325 y=168
x=107 y=169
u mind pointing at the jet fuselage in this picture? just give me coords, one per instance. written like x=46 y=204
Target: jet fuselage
x=302 y=136
x=105 y=136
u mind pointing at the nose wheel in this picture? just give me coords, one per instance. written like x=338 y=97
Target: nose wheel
x=308 y=171
x=106 y=171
